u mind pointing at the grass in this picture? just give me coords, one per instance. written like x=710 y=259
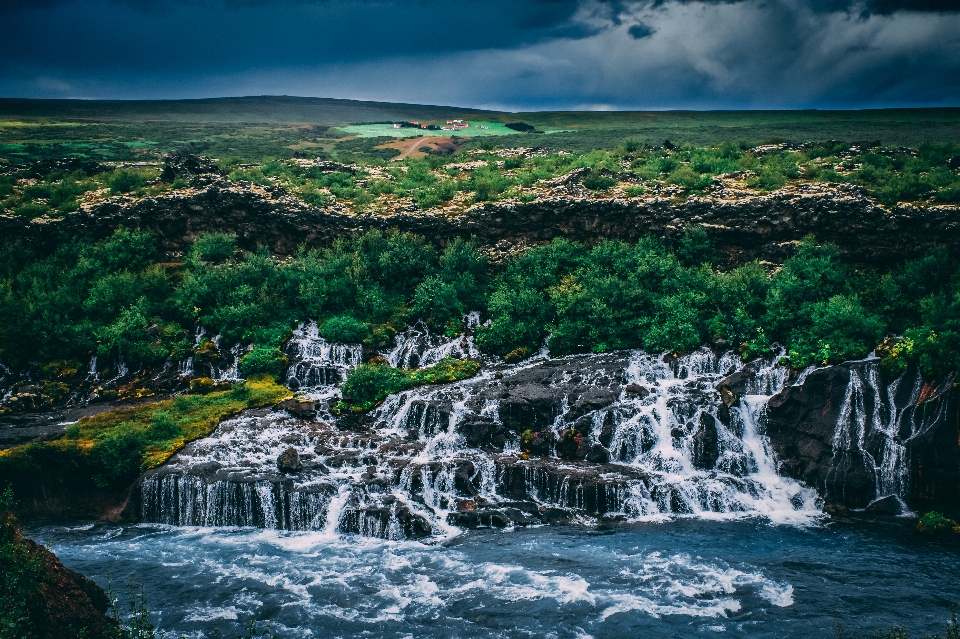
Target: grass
x=387 y=130
x=110 y=450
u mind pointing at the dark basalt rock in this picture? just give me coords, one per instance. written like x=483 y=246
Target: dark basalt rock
x=706 y=445
x=636 y=390
x=889 y=505
x=300 y=407
x=185 y=165
x=762 y=227
x=734 y=386
x=802 y=422
x=289 y=461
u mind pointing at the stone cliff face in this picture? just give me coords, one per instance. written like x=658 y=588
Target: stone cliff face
x=762 y=227
x=856 y=437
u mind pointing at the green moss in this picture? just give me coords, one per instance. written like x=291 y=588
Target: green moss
x=111 y=449
x=933 y=523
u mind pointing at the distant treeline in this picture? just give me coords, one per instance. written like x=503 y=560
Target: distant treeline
x=115 y=298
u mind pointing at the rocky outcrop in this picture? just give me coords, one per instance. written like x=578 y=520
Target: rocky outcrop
x=763 y=227
x=69 y=602
x=42 y=599
x=857 y=437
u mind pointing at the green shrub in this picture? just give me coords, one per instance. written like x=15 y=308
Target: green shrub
x=597 y=181
x=370 y=383
x=32 y=210
x=934 y=523
x=125 y=180
x=268 y=360
x=344 y=329
x=214 y=248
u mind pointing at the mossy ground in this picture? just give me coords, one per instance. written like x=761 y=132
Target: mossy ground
x=108 y=451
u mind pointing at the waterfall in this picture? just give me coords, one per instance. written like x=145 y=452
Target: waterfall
x=316 y=364
x=617 y=436
x=875 y=425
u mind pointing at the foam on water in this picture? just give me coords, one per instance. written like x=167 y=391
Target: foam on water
x=408 y=476
x=321 y=580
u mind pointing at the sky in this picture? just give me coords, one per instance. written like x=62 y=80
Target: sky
x=516 y=55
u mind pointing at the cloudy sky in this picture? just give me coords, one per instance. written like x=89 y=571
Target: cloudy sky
x=502 y=54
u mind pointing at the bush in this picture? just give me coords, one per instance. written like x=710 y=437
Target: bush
x=934 y=523
x=264 y=360
x=370 y=383
x=344 y=329
x=21 y=576
x=213 y=248
x=597 y=181
x=125 y=180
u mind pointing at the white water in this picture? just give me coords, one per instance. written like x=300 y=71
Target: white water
x=414 y=474
x=875 y=426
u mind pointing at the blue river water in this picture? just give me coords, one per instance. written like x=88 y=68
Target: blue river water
x=676 y=578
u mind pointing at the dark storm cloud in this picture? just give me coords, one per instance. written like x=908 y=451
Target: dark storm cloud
x=639 y=31
x=493 y=53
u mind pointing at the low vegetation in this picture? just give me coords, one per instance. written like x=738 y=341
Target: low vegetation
x=480 y=171
x=370 y=383
x=934 y=523
x=927 y=174
x=21 y=575
x=115 y=299
x=110 y=450
x=32 y=193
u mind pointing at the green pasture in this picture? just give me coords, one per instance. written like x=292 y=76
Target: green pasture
x=476 y=129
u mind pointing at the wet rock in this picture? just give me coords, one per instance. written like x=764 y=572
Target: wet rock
x=598 y=454
x=571 y=444
x=889 y=505
x=538 y=443
x=801 y=422
x=485 y=518
x=463 y=478
x=734 y=386
x=306 y=408
x=483 y=432
x=706 y=444
x=415 y=526
x=590 y=400
x=636 y=390
x=289 y=461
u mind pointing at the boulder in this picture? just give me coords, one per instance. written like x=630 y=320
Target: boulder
x=299 y=407
x=706 y=444
x=289 y=461
x=889 y=505
x=636 y=390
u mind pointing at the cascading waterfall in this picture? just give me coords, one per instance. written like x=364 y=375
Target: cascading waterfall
x=875 y=426
x=317 y=364
x=618 y=436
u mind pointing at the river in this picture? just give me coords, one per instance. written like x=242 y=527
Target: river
x=677 y=578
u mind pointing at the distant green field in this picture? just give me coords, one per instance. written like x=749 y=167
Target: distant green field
x=476 y=128
x=282 y=127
